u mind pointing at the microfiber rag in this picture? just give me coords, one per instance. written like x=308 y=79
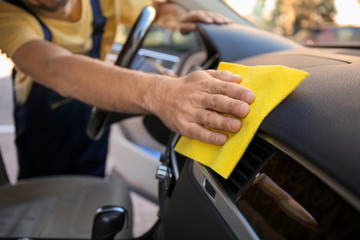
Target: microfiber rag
x=271 y=84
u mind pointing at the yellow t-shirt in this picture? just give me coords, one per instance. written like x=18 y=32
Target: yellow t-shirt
x=18 y=27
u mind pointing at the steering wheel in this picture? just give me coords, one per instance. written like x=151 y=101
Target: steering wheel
x=100 y=119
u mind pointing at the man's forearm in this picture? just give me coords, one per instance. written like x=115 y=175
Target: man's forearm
x=89 y=80
x=102 y=84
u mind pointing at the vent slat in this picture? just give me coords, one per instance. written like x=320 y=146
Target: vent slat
x=236 y=182
x=265 y=148
x=248 y=166
x=239 y=175
x=256 y=155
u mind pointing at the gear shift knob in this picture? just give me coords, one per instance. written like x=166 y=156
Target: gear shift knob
x=108 y=221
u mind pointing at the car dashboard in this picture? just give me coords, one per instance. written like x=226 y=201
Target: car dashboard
x=298 y=179
x=269 y=195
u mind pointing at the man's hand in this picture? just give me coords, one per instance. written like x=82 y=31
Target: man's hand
x=173 y=16
x=189 y=20
x=191 y=105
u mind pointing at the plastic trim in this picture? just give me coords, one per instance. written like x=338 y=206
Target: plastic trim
x=227 y=209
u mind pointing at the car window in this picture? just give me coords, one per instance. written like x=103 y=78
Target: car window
x=307 y=22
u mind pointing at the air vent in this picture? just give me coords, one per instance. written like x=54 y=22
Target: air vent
x=254 y=158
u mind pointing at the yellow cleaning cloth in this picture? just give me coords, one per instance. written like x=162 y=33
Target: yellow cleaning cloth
x=271 y=84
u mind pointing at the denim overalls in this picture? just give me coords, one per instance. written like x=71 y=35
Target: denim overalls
x=51 y=130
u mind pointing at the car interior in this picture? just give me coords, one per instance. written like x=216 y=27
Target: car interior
x=298 y=178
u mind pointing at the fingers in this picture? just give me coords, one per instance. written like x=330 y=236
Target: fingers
x=225 y=104
x=218 y=19
x=205 y=135
x=215 y=120
x=225 y=75
x=187 y=27
x=197 y=16
x=227 y=87
x=214 y=123
x=188 y=23
x=232 y=90
x=205 y=17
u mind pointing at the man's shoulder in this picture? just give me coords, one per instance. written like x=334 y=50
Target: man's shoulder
x=6 y=6
x=14 y=16
x=16 y=27
x=13 y=12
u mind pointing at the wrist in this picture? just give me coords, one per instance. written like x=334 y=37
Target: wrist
x=154 y=96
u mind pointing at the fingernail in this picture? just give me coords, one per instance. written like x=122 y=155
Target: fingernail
x=249 y=96
x=221 y=139
x=220 y=20
x=209 y=20
x=236 y=75
x=242 y=110
x=234 y=125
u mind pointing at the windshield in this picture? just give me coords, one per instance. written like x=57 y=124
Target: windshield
x=312 y=22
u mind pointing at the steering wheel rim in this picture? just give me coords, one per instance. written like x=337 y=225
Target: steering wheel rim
x=99 y=118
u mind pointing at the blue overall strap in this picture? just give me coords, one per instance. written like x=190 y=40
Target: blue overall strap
x=20 y=4
x=98 y=29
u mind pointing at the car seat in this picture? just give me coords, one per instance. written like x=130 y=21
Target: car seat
x=76 y=207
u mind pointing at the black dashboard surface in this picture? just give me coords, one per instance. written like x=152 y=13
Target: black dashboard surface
x=234 y=42
x=321 y=118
